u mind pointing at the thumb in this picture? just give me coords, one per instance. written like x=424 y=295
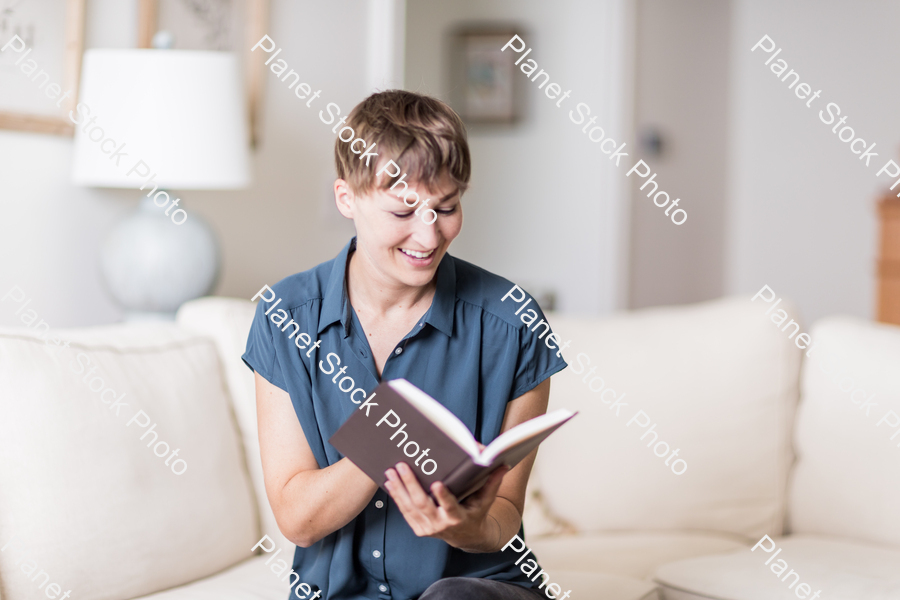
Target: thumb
x=489 y=491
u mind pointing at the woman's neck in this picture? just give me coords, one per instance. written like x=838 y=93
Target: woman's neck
x=368 y=289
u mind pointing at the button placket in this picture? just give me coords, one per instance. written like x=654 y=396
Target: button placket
x=374 y=546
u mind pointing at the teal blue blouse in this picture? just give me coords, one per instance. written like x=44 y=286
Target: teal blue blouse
x=470 y=352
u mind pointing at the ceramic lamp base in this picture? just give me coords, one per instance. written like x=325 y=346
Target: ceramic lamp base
x=152 y=265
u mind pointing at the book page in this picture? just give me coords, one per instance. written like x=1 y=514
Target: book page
x=438 y=414
x=522 y=432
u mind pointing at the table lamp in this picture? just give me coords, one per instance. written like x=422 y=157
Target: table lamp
x=159 y=120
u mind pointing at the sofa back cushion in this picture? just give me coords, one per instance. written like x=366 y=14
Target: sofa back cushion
x=846 y=479
x=89 y=503
x=226 y=321
x=717 y=382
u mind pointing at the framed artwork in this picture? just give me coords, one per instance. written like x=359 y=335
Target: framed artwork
x=219 y=25
x=483 y=86
x=41 y=66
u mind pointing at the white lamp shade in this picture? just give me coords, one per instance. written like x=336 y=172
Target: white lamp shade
x=180 y=112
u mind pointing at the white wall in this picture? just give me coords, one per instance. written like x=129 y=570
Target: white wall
x=51 y=231
x=681 y=79
x=802 y=207
x=546 y=208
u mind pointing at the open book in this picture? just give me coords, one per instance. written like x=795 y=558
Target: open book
x=408 y=425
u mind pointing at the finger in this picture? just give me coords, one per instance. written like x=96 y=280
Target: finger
x=414 y=489
x=400 y=496
x=397 y=490
x=446 y=500
x=406 y=489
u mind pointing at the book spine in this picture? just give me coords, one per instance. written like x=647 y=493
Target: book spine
x=467 y=478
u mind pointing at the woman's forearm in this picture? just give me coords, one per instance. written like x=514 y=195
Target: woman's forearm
x=500 y=524
x=308 y=502
x=315 y=503
x=508 y=518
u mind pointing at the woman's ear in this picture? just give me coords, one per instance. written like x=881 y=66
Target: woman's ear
x=344 y=198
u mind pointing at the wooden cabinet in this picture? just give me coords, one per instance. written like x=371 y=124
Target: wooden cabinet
x=889 y=261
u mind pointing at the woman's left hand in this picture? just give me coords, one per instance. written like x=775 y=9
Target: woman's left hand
x=462 y=525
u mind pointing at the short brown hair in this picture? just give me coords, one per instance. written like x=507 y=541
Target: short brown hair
x=420 y=133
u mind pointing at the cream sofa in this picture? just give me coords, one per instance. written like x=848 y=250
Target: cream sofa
x=87 y=507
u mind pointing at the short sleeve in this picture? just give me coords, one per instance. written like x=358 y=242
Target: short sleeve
x=260 y=353
x=536 y=360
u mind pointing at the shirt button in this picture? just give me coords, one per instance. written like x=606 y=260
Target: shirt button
x=376 y=554
x=379 y=504
x=382 y=587
x=398 y=350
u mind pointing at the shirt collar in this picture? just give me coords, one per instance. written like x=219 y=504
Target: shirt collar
x=443 y=307
x=336 y=305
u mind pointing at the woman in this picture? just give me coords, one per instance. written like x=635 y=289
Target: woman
x=393 y=304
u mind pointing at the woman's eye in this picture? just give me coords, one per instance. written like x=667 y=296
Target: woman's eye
x=448 y=211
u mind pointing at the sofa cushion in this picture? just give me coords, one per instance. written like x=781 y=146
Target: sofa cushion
x=226 y=321
x=635 y=554
x=845 y=482
x=253 y=580
x=249 y=580
x=84 y=498
x=718 y=381
x=842 y=570
x=538 y=518
x=602 y=586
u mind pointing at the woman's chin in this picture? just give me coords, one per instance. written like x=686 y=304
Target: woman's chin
x=416 y=276
x=418 y=279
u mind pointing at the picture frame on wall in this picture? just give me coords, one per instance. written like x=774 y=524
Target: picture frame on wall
x=39 y=83
x=215 y=25
x=484 y=89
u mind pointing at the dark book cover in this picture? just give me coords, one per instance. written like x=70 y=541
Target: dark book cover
x=367 y=440
x=402 y=427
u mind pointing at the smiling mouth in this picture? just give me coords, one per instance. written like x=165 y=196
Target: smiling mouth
x=414 y=254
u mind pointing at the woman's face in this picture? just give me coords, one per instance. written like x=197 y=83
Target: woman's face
x=400 y=246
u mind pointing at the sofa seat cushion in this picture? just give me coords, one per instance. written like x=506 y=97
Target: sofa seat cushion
x=253 y=580
x=841 y=569
x=632 y=554
x=603 y=586
x=86 y=495
x=249 y=580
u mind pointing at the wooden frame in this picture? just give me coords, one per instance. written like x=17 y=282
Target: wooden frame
x=889 y=261
x=484 y=87
x=73 y=49
x=256 y=28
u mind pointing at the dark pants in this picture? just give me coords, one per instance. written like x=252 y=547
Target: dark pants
x=471 y=588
